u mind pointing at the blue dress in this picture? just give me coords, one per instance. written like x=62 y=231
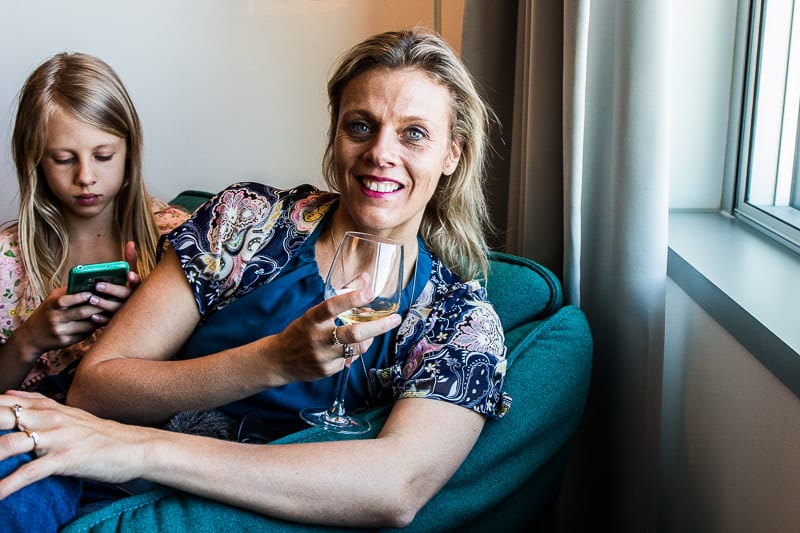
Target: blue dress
x=267 y=310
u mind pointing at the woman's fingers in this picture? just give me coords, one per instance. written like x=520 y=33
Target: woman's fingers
x=335 y=306
x=19 y=442
x=306 y=350
x=26 y=474
x=66 y=441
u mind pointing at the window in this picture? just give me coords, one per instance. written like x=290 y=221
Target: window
x=768 y=180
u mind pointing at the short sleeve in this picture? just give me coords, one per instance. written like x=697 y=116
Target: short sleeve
x=456 y=352
x=242 y=238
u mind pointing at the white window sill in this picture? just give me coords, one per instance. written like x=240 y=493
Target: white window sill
x=750 y=285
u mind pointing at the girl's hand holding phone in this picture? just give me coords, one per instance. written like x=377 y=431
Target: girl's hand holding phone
x=60 y=320
x=70 y=314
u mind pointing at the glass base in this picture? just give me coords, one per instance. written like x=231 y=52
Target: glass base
x=349 y=424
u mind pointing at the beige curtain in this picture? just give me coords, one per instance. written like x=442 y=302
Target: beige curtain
x=588 y=197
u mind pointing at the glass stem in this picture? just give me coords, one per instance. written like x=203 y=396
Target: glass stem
x=337 y=409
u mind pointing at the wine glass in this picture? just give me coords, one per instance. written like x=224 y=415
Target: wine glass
x=362 y=261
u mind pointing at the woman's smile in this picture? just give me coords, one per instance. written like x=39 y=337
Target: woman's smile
x=378 y=187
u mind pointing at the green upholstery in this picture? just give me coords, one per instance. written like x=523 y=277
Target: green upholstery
x=510 y=479
x=191 y=200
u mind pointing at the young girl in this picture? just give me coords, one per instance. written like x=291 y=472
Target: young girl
x=77 y=145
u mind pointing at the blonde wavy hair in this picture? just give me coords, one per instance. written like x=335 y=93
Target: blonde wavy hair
x=89 y=89
x=456 y=219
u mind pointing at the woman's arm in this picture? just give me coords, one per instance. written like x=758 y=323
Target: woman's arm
x=128 y=375
x=374 y=482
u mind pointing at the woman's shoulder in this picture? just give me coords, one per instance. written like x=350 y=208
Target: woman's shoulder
x=447 y=284
x=455 y=300
x=249 y=204
x=306 y=193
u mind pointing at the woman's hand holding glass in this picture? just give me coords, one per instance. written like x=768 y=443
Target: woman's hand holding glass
x=304 y=350
x=363 y=263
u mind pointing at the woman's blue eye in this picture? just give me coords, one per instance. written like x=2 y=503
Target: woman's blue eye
x=416 y=134
x=359 y=128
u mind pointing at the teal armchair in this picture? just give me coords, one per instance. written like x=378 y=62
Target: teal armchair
x=511 y=478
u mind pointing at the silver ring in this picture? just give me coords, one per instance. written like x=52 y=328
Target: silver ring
x=34 y=436
x=336 y=341
x=347 y=351
x=17 y=408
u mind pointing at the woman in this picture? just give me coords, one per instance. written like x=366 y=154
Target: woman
x=77 y=147
x=405 y=153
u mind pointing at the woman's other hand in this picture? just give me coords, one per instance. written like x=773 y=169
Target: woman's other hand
x=67 y=441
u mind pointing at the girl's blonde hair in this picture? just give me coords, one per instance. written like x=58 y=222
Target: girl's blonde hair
x=88 y=89
x=456 y=219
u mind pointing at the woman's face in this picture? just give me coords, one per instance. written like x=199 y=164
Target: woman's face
x=83 y=166
x=391 y=148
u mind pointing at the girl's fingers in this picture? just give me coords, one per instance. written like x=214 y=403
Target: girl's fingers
x=116 y=292
x=131 y=256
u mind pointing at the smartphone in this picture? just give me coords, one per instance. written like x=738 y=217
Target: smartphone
x=84 y=277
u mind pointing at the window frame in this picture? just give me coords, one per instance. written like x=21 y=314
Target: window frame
x=781 y=223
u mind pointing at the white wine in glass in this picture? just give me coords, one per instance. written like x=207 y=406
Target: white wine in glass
x=362 y=261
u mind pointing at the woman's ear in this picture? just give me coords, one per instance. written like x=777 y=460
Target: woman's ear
x=451 y=162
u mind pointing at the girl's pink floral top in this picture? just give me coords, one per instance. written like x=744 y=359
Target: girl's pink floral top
x=17 y=302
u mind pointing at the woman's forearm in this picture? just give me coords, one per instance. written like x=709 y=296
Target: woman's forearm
x=366 y=483
x=144 y=391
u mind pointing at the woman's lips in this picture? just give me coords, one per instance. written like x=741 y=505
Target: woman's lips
x=376 y=187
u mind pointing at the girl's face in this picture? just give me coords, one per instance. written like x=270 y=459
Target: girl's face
x=392 y=146
x=83 y=166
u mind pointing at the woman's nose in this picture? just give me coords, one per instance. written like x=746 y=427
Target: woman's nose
x=382 y=150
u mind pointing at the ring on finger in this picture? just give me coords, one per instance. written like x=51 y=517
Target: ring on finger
x=34 y=436
x=17 y=408
x=347 y=351
x=335 y=339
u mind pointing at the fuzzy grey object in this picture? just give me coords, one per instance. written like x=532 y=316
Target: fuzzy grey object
x=211 y=423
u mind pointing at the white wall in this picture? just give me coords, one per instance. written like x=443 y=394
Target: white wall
x=731 y=433
x=702 y=61
x=227 y=90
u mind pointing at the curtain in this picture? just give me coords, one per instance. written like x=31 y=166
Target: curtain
x=588 y=197
x=616 y=174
